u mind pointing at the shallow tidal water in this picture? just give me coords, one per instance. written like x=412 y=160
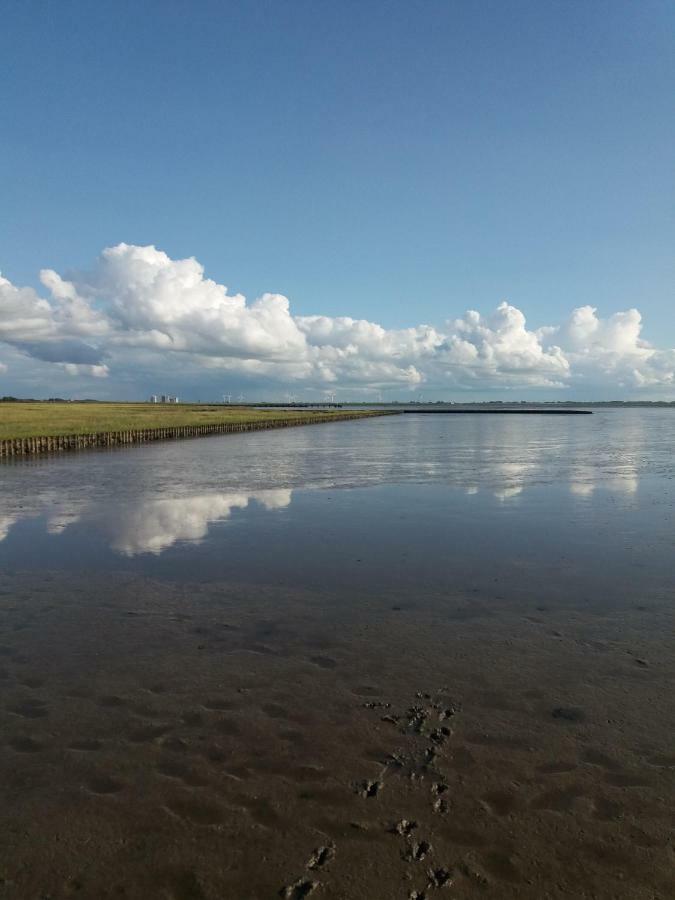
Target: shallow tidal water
x=402 y=657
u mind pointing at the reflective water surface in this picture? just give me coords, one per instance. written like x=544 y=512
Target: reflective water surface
x=277 y=645
x=399 y=499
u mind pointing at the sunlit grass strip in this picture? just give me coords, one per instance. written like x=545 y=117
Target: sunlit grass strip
x=18 y=420
x=84 y=425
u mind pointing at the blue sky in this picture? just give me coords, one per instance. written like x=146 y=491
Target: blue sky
x=400 y=162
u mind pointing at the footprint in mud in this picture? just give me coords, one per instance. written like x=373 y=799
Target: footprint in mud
x=30 y=709
x=404 y=828
x=426 y=719
x=369 y=788
x=104 y=784
x=418 y=852
x=391 y=719
x=427 y=724
x=440 y=877
x=416 y=718
x=321 y=857
x=303 y=887
x=430 y=755
x=414 y=851
x=440 y=735
x=439 y=804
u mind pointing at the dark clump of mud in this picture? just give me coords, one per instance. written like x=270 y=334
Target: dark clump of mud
x=228 y=743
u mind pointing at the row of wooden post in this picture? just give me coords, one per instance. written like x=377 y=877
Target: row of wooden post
x=30 y=446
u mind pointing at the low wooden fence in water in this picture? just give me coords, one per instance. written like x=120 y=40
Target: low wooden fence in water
x=29 y=446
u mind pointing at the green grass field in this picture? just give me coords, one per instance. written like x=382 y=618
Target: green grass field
x=22 y=420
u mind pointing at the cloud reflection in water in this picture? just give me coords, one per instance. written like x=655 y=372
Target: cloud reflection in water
x=153 y=525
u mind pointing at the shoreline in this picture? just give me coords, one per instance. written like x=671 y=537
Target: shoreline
x=43 y=444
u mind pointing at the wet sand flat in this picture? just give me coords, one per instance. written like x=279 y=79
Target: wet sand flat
x=413 y=657
x=223 y=741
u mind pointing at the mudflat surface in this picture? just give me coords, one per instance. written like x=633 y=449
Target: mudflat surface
x=262 y=666
x=212 y=742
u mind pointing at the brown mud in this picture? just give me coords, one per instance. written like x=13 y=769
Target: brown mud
x=218 y=741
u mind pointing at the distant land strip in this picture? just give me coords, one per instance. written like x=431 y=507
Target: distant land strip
x=32 y=445
x=501 y=412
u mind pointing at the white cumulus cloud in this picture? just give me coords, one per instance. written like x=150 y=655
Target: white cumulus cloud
x=138 y=309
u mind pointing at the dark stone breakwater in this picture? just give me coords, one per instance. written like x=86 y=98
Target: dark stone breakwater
x=502 y=412
x=32 y=446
